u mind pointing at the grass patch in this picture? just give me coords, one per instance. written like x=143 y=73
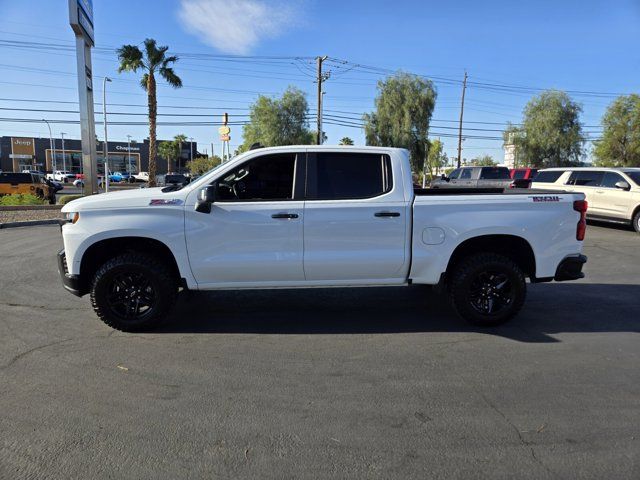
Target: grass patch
x=20 y=199
x=64 y=199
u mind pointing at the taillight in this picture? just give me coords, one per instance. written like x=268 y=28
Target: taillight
x=581 y=206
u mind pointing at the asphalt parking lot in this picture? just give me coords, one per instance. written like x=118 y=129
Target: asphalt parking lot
x=362 y=383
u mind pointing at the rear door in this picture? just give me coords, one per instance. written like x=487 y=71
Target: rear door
x=611 y=201
x=587 y=182
x=355 y=224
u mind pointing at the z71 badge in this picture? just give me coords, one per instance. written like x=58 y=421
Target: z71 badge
x=165 y=201
x=546 y=198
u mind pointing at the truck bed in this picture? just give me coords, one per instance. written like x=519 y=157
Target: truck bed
x=420 y=192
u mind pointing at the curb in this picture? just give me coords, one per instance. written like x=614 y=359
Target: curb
x=30 y=223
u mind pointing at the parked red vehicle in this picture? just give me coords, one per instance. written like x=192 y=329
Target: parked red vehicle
x=522 y=177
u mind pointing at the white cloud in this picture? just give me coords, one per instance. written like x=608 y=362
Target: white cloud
x=235 y=26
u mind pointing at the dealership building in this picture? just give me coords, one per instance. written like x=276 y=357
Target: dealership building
x=29 y=153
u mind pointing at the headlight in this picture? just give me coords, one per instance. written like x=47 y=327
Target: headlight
x=73 y=217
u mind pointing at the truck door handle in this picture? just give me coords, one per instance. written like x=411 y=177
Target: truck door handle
x=387 y=214
x=284 y=215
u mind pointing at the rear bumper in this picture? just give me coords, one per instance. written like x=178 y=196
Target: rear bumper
x=570 y=268
x=71 y=282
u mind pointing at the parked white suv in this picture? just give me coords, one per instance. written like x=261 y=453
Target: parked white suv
x=613 y=194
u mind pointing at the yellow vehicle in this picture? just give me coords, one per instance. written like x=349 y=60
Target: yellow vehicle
x=27 y=183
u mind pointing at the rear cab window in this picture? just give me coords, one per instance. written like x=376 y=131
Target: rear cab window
x=348 y=175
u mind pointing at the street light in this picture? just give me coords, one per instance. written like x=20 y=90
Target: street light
x=51 y=146
x=129 y=154
x=106 y=143
x=64 y=160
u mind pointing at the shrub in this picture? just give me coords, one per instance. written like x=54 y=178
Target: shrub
x=64 y=199
x=20 y=199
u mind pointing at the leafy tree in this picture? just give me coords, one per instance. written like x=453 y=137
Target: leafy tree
x=282 y=121
x=153 y=60
x=436 y=159
x=404 y=106
x=620 y=143
x=201 y=165
x=483 y=161
x=346 y=141
x=551 y=131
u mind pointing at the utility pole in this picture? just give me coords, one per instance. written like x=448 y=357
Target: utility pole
x=106 y=142
x=50 y=145
x=191 y=147
x=464 y=88
x=64 y=161
x=320 y=79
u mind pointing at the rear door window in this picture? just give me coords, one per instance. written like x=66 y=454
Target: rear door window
x=343 y=176
x=494 y=173
x=581 y=178
x=610 y=179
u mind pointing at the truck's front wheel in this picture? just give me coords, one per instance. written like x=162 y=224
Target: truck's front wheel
x=133 y=291
x=487 y=289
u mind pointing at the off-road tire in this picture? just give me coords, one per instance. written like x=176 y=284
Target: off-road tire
x=479 y=269
x=144 y=270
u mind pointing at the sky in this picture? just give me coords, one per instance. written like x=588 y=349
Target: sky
x=231 y=51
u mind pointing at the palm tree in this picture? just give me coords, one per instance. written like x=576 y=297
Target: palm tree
x=346 y=141
x=152 y=60
x=169 y=151
x=179 y=139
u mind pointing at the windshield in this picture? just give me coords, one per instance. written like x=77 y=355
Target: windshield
x=634 y=175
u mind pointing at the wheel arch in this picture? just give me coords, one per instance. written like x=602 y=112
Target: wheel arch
x=99 y=252
x=514 y=247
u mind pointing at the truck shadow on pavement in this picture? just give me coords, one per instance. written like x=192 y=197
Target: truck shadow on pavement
x=549 y=309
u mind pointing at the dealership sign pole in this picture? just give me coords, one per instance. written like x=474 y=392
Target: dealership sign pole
x=81 y=21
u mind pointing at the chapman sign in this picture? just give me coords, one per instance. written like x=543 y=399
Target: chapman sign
x=127 y=149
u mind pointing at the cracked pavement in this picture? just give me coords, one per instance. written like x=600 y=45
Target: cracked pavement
x=361 y=383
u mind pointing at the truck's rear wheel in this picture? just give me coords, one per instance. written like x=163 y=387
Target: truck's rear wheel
x=133 y=291
x=487 y=289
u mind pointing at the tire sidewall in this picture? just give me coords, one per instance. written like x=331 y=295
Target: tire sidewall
x=636 y=222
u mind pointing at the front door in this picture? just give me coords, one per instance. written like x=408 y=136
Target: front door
x=253 y=235
x=355 y=224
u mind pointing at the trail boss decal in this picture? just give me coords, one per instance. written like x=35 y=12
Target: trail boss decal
x=546 y=198
x=165 y=201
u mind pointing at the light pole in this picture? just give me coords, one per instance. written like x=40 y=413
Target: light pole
x=129 y=154
x=106 y=142
x=64 y=160
x=53 y=151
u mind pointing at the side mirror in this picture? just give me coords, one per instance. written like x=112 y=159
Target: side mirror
x=622 y=185
x=206 y=197
x=444 y=177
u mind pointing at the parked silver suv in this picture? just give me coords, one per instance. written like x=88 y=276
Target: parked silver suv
x=613 y=194
x=475 y=177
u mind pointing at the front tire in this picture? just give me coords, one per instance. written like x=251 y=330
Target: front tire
x=133 y=291
x=487 y=289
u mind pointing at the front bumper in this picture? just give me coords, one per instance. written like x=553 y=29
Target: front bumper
x=570 y=268
x=71 y=282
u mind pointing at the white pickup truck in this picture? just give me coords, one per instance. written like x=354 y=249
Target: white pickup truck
x=316 y=216
x=61 y=176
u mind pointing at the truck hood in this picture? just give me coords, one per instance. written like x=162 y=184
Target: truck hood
x=125 y=199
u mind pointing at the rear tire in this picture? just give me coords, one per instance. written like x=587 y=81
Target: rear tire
x=133 y=292
x=487 y=289
x=636 y=221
